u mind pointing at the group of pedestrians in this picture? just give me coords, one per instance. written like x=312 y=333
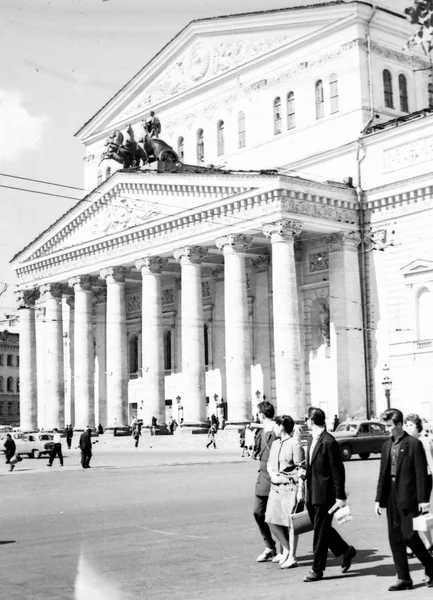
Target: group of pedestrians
x=290 y=480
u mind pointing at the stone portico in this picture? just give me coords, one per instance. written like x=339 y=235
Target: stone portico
x=205 y=305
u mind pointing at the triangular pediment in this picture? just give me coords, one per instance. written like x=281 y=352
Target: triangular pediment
x=417 y=266
x=207 y=50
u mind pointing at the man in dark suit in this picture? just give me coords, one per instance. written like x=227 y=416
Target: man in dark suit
x=263 y=484
x=403 y=490
x=86 y=448
x=325 y=478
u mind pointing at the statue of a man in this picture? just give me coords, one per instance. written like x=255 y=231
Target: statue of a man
x=324 y=325
x=153 y=125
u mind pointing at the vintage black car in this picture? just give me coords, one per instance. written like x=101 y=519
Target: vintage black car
x=360 y=437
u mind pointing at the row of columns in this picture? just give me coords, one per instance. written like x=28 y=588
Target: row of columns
x=286 y=335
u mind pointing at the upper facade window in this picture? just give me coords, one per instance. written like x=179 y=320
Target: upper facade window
x=167 y=350
x=277 y=115
x=181 y=148
x=425 y=314
x=2 y=360
x=333 y=93
x=430 y=95
x=241 y=129
x=133 y=354
x=220 y=138
x=291 y=110
x=200 y=146
x=10 y=360
x=402 y=88
x=10 y=384
x=320 y=100
x=387 y=89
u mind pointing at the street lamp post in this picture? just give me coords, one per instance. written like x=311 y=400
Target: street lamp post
x=387 y=385
x=179 y=409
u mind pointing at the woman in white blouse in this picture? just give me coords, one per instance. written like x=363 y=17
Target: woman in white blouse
x=286 y=459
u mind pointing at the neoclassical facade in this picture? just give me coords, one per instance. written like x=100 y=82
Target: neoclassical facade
x=254 y=267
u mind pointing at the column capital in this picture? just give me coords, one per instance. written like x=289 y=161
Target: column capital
x=190 y=254
x=151 y=264
x=238 y=242
x=117 y=274
x=260 y=263
x=55 y=290
x=343 y=240
x=70 y=301
x=26 y=298
x=284 y=228
x=83 y=282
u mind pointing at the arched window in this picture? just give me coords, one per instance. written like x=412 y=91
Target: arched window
x=402 y=88
x=10 y=384
x=425 y=315
x=200 y=146
x=220 y=138
x=241 y=129
x=277 y=115
x=430 y=95
x=333 y=93
x=206 y=345
x=2 y=384
x=320 y=100
x=18 y=385
x=167 y=350
x=180 y=148
x=107 y=172
x=133 y=354
x=99 y=177
x=387 y=89
x=290 y=110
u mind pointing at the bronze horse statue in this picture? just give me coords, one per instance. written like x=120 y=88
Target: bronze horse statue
x=130 y=154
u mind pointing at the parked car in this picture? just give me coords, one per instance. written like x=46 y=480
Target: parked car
x=360 y=437
x=305 y=432
x=34 y=445
x=5 y=429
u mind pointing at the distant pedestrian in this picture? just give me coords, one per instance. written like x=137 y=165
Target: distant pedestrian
x=57 y=448
x=100 y=429
x=69 y=436
x=242 y=441
x=249 y=441
x=336 y=423
x=211 y=436
x=153 y=426
x=86 y=448
x=136 y=435
x=10 y=449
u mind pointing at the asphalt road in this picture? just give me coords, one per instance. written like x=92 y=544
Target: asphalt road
x=169 y=524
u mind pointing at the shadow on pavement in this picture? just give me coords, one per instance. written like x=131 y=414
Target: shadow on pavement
x=2 y=542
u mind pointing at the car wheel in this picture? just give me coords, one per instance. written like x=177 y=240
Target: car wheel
x=346 y=452
x=364 y=455
x=36 y=454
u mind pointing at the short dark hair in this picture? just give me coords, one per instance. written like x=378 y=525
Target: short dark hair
x=310 y=410
x=267 y=409
x=287 y=423
x=394 y=415
x=415 y=419
x=317 y=416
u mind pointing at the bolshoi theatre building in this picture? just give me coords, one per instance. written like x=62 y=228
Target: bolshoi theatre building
x=275 y=240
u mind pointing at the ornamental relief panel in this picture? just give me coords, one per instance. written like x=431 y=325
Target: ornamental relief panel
x=407 y=155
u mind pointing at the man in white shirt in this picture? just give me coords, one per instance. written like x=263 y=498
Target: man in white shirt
x=57 y=448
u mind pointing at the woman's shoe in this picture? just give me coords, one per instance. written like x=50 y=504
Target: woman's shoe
x=277 y=558
x=289 y=564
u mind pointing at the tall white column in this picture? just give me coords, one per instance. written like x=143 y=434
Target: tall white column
x=117 y=348
x=84 y=363
x=28 y=373
x=152 y=335
x=54 y=369
x=68 y=349
x=237 y=330
x=100 y=332
x=192 y=328
x=346 y=326
x=287 y=336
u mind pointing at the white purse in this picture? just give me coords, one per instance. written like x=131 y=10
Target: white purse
x=423 y=522
x=343 y=515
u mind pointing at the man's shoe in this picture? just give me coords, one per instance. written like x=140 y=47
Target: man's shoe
x=267 y=554
x=429 y=582
x=313 y=576
x=401 y=585
x=349 y=555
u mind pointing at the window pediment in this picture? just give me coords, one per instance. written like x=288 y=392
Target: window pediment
x=417 y=271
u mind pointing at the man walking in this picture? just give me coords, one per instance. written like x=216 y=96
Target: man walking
x=325 y=477
x=69 y=436
x=57 y=448
x=86 y=448
x=403 y=490
x=263 y=483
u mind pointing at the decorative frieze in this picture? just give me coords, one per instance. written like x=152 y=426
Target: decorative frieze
x=205 y=289
x=218 y=272
x=133 y=303
x=318 y=261
x=409 y=154
x=167 y=296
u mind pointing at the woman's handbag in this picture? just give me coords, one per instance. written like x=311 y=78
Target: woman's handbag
x=300 y=519
x=15 y=458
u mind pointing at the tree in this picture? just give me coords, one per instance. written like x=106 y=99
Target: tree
x=421 y=15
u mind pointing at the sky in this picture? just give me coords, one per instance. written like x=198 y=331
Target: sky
x=62 y=60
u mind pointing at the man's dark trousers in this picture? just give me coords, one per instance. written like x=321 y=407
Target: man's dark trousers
x=86 y=455
x=56 y=451
x=259 y=515
x=325 y=536
x=401 y=534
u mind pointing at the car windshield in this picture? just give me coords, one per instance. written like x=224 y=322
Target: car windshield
x=347 y=427
x=45 y=436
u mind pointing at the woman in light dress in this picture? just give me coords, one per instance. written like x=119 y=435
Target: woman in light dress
x=285 y=466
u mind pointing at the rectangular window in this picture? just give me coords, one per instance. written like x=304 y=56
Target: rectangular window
x=2 y=360
x=10 y=360
x=333 y=96
x=17 y=361
x=242 y=133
